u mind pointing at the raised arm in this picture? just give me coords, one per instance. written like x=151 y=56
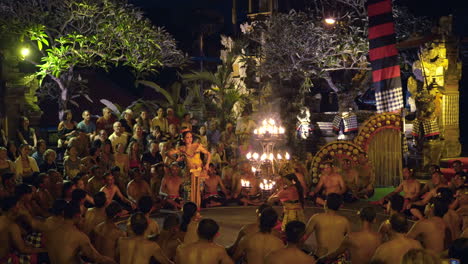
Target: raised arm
x=159 y=255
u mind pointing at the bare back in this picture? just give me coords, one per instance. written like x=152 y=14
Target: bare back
x=140 y=250
x=330 y=229
x=431 y=232
x=202 y=252
x=257 y=246
x=289 y=255
x=363 y=245
x=105 y=236
x=392 y=251
x=93 y=217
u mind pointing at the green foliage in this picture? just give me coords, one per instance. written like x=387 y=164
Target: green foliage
x=223 y=91
x=89 y=34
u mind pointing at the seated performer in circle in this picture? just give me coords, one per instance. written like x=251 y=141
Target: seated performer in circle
x=330 y=182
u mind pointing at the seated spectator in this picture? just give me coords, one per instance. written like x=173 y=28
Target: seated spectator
x=137 y=187
x=393 y=250
x=156 y=136
x=49 y=161
x=10 y=234
x=127 y=121
x=139 y=249
x=6 y=166
x=106 y=156
x=329 y=227
x=159 y=121
x=153 y=156
x=144 y=121
x=257 y=246
x=87 y=125
x=71 y=163
x=292 y=253
x=169 y=239
x=205 y=250
x=105 y=235
x=81 y=142
x=118 y=137
x=38 y=155
x=362 y=244
x=25 y=165
x=106 y=121
x=91 y=160
x=134 y=155
x=8 y=185
x=26 y=134
x=96 y=214
x=67 y=243
x=12 y=151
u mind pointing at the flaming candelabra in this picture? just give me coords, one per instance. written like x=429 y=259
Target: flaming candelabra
x=268 y=162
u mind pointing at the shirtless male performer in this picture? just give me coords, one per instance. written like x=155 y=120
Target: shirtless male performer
x=211 y=196
x=146 y=206
x=394 y=206
x=410 y=186
x=139 y=249
x=257 y=246
x=462 y=210
x=329 y=227
x=106 y=234
x=433 y=233
x=251 y=195
x=111 y=190
x=65 y=243
x=392 y=252
x=330 y=182
x=10 y=233
x=251 y=228
x=295 y=231
x=361 y=244
x=205 y=250
x=95 y=215
x=169 y=237
x=170 y=187
x=137 y=187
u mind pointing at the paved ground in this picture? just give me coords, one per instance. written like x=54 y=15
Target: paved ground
x=231 y=219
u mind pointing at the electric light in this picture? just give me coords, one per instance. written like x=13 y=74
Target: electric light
x=25 y=52
x=330 y=21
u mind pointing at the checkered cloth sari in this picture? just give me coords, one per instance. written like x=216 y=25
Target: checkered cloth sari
x=429 y=128
x=346 y=123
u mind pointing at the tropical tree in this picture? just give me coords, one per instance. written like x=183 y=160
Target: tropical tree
x=300 y=48
x=223 y=92
x=70 y=35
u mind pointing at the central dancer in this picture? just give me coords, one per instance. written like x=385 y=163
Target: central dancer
x=194 y=165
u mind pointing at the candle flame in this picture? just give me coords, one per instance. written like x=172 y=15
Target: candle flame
x=249 y=155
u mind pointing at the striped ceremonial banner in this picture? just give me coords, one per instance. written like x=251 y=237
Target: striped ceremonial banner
x=383 y=56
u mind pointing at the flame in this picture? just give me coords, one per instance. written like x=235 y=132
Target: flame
x=279 y=156
x=287 y=156
x=249 y=155
x=255 y=156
